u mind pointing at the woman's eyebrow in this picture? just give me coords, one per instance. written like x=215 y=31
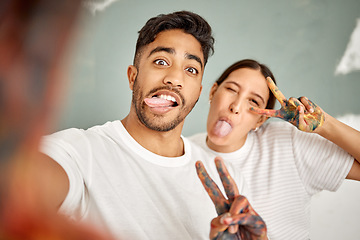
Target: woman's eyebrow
x=259 y=96
x=232 y=82
x=254 y=93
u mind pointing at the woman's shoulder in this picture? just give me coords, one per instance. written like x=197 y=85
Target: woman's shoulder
x=275 y=129
x=277 y=125
x=198 y=138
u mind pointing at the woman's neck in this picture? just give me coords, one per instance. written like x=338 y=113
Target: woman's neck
x=225 y=148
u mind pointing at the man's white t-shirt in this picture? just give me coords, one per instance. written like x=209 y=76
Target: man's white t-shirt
x=283 y=167
x=123 y=188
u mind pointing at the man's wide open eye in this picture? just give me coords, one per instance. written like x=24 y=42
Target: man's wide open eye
x=161 y=62
x=192 y=70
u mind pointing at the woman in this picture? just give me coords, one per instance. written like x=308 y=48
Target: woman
x=283 y=166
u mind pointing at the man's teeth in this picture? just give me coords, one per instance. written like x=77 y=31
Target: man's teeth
x=167 y=97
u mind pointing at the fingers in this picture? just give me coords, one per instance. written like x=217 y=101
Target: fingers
x=240 y=205
x=228 y=182
x=251 y=222
x=275 y=90
x=294 y=102
x=302 y=123
x=211 y=188
x=302 y=120
x=241 y=217
x=248 y=224
x=309 y=106
x=249 y=219
x=266 y=112
x=291 y=112
x=310 y=116
x=219 y=225
x=240 y=214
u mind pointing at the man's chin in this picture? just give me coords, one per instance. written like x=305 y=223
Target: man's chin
x=159 y=123
x=166 y=127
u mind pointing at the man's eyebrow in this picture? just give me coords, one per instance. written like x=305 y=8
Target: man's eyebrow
x=258 y=95
x=172 y=51
x=162 y=49
x=194 y=57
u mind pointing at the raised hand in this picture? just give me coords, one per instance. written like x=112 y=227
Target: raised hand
x=302 y=113
x=236 y=218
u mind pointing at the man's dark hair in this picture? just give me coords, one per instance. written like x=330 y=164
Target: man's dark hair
x=252 y=64
x=189 y=22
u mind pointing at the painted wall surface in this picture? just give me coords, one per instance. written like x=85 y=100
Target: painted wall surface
x=302 y=41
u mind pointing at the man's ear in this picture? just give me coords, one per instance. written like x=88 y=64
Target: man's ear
x=131 y=74
x=212 y=91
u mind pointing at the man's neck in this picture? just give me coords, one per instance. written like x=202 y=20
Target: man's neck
x=167 y=144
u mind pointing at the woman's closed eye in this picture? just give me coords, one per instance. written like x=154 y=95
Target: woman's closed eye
x=231 y=89
x=254 y=102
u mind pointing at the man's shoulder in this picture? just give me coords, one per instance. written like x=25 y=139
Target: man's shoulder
x=77 y=134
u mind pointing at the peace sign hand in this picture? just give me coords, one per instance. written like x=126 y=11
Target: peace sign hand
x=302 y=113
x=237 y=219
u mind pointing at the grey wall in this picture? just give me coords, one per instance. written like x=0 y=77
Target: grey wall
x=301 y=41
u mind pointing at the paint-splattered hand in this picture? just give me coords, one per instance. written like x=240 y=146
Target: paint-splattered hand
x=302 y=113
x=236 y=218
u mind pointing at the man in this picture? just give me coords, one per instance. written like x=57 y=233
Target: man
x=34 y=37
x=136 y=177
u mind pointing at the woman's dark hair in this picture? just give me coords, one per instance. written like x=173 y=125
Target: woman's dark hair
x=189 y=22
x=252 y=64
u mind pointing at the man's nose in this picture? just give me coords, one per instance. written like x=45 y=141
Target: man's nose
x=175 y=78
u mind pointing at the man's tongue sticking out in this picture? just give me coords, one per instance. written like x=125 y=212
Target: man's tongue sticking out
x=222 y=128
x=156 y=102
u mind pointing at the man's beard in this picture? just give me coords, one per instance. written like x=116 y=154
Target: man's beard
x=154 y=122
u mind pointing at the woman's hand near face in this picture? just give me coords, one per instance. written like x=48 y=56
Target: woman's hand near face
x=237 y=219
x=302 y=113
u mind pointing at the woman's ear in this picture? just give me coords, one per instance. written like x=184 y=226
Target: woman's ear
x=131 y=73
x=261 y=121
x=212 y=91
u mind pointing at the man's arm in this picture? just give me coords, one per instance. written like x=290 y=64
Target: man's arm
x=48 y=180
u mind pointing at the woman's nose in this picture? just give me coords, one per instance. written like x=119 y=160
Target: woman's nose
x=235 y=107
